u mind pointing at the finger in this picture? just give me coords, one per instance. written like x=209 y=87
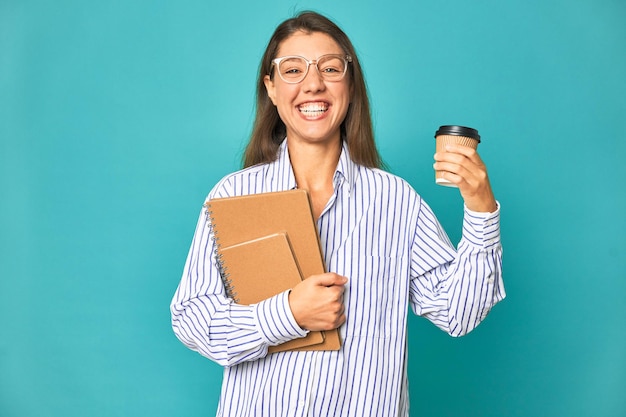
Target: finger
x=335 y=292
x=466 y=151
x=455 y=148
x=459 y=154
x=338 y=317
x=453 y=168
x=452 y=157
x=340 y=320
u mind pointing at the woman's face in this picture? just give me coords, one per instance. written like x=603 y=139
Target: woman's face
x=313 y=109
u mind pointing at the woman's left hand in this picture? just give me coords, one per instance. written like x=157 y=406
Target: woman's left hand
x=463 y=167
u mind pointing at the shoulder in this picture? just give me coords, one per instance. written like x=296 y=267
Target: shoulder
x=379 y=181
x=242 y=182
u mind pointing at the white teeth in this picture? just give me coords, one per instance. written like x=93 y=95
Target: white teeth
x=313 y=109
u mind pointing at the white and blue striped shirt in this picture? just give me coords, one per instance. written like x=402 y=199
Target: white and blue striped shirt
x=379 y=233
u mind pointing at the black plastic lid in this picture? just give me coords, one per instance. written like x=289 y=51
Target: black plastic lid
x=458 y=131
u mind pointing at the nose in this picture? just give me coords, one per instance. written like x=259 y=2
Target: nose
x=313 y=80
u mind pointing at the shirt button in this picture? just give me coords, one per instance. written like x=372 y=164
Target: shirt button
x=301 y=403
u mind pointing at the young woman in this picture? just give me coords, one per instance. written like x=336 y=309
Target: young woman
x=383 y=247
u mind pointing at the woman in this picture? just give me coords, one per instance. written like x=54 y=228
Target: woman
x=383 y=247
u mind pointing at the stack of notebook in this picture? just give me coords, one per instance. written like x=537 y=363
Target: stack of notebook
x=268 y=243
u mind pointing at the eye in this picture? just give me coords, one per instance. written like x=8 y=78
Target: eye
x=292 y=66
x=330 y=70
x=331 y=66
x=291 y=70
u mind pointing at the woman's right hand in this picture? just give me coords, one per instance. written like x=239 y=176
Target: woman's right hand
x=317 y=302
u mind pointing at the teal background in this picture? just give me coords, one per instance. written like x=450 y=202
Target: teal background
x=117 y=117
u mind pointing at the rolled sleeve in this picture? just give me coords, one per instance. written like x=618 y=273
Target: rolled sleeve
x=482 y=230
x=275 y=320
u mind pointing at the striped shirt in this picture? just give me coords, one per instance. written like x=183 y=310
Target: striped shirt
x=378 y=232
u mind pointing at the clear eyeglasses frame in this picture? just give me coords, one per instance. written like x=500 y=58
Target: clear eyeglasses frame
x=293 y=69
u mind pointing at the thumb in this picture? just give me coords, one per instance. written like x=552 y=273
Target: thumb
x=330 y=279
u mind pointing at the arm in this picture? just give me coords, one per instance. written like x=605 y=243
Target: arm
x=458 y=293
x=206 y=321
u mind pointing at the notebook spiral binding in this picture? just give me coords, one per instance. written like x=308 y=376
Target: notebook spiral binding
x=228 y=283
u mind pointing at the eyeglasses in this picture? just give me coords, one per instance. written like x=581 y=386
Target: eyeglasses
x=294 y=69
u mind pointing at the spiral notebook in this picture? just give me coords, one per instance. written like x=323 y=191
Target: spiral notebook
x=240 y=219
x=259 y=269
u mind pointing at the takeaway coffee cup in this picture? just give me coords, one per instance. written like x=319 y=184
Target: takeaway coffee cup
x=451 y=134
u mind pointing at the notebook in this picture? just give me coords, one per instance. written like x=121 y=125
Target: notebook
x=235 y=220
x=261 y=268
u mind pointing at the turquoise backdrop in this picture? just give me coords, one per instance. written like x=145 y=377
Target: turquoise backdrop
x=117 y=117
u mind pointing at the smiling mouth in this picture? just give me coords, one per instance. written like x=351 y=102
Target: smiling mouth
x=313 y=110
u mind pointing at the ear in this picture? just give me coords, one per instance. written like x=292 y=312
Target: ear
x=270 y=88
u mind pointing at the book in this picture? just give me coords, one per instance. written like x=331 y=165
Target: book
x=259 y=269
x=239 y=219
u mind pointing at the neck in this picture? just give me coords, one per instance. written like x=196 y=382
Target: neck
x=314 y=164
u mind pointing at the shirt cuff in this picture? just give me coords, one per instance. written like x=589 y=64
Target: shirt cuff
x=482 y=229
x=275 y=320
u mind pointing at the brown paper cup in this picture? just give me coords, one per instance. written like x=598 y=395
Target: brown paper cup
x=454 y=135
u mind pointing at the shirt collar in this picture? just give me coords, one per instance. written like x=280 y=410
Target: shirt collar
x=346 y=168
x=284 y=172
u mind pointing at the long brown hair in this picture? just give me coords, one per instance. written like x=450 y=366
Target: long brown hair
x=269 y=130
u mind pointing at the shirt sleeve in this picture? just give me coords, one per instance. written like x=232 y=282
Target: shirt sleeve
x=456 y=289
x=206 y=321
